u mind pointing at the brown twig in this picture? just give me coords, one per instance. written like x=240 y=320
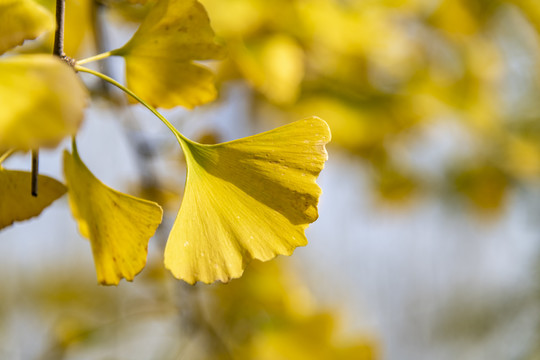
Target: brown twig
x=58 y=50
x=35 y=170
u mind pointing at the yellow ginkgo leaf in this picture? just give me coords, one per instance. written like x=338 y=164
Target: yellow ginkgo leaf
x=42 y=100
x=173 y=83
x=160 y=56
x=22 y=20
x=118 y=225
x=16 y=200
x=250 y=198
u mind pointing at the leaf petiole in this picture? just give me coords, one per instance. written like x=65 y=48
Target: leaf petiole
x=181 y=138
x=94 y=58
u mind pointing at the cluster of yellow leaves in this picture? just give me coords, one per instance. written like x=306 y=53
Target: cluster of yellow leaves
x=41 y=102
x=379 y=71
x=247 y=199
x=267 y=315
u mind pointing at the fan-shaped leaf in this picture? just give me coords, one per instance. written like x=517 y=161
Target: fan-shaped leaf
x=42 y=100
x=22 y=20
x=246 y=199
x=118 y=225
x=173 y=83
x=16 y=201
x=159 y=57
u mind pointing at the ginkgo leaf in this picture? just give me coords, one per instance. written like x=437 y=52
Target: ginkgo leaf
x=22 y=20
x=250 y=198
x=118 y=225
x=160 y=56
x=16 y=200
x=42 y=100
x=175 y=83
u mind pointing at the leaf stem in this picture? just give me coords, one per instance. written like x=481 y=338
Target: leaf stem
x=5 y=155
x=74 y=149
x=94 y=58
x=179 y=136
x=35 y=168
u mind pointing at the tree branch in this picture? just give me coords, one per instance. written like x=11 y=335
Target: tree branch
x=58 y=48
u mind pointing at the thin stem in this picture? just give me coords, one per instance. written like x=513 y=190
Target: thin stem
x=94 y=58
x=35 y=172
x=181 y=138
x=6 y=155
x=35 y=167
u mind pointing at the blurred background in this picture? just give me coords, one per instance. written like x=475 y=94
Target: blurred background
x=427 y=244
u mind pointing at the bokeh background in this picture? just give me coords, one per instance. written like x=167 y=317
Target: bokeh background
x=427 y=245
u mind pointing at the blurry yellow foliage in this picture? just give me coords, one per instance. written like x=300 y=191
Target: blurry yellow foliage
x=356 y=28
x=529 y=9
x=22 y=20
x=378 y=69
x=306 y=339
x=394 y=185
x=374 y=70
x=361 y=127
x=41 y=101
x=349 y=128
x=274 y=66
x=484 y=184
x=267 y=315
x=522 y=158
x=455 y=18
x=128 y=11
x=79 y=29
x=236 y=18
